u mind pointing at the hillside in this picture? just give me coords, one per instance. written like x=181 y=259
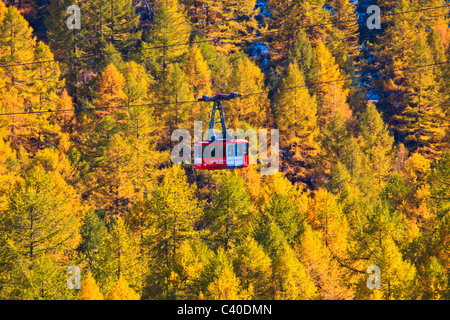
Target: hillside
x=87 y=177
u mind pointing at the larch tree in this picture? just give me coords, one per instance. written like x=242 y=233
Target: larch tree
x=176 y=102
x=174 y=212
x=376 y=142
x=286 y=14
x=253 y=267
x=224 y=284
x=122 y=291
x=110 y=91
x=198 y=71
x=399 y=277
x=189 y=263
x=137 y=82
x=246 y=78
x=199 y=74
x=16 y=55
x=325 y=215
x=327 y=274
x=42 y=215
x=45 y=86
x=168 y=39
x=296 y=118
x=291 y=280
x=93 y=232
x=224 y=20
x=330 y=90
x=229 y=213
x=119 y=258
x=90 y=289
x=17 y=49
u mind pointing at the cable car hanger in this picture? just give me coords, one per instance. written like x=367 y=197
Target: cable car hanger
x=218 y=98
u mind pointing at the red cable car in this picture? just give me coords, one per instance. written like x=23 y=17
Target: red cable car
x=220 y=153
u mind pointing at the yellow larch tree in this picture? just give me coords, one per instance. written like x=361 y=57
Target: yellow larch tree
x=330 y=89
x=110 y=91
x=122 y=291
x=90 y=289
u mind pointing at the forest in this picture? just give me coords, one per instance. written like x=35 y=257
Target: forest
x=87 y=180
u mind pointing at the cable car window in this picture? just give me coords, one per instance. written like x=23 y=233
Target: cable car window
x=239 y=150
x=230 y=150
x=245 y=149
x=221 y=151
x=204 y=152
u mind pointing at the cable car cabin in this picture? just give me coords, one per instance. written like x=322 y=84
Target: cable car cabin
x=216 y=155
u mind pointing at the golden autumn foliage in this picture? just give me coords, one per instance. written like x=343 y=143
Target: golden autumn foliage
x=90 y=289
x=121 y=291
x=87 y=178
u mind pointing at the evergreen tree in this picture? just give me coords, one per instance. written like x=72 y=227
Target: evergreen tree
x=438 y=180
x=174 y=211
x=296 y=117
x=345 y=39
x=169 y=36
x=435 y=280
x=42 y=215
x=225 y=20
x=376 y=142
x=176 y=97
x=230 y=212
x=291 y=280
x=246 y=78
x=224 y=284
x=331 y=92
x=68 y=44
x=420 y=122
x=327 y=274
x=253 y=267
x=119 y=260
x=92 y=233
x=302 y=53
x=113 y=21
x=284 y=212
